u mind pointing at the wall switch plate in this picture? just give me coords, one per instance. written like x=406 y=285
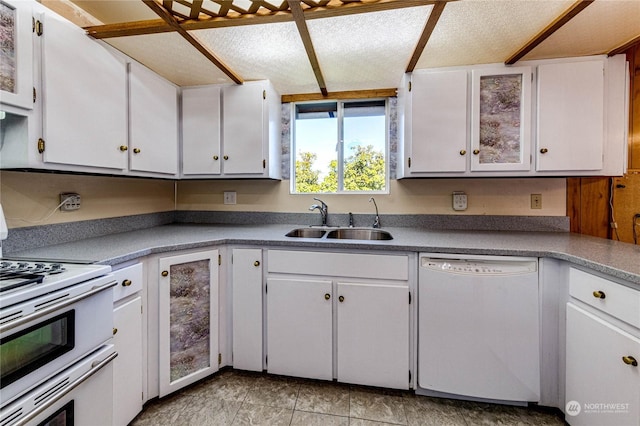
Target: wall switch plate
x=536 y=201
x=72 y=201
x=229 y=197
x=459 y=200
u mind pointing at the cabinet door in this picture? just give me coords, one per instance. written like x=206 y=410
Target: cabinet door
x=201 y=131
x=373 y=335
x=570 y=116
x=501 y=119
x=245 y=126
x=84 y=98
x=601 y=389
x=299 y=328
x=153 y=123
x=127 y=367
x=188 y=319
x=439 y=124
x=247 y=309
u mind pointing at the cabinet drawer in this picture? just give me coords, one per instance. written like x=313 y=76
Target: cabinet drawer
x=129 y=281
x=375 y=266
x=615 y=299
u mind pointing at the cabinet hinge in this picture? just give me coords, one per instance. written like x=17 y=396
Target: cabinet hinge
x=264 y=164
x=409 y=376
x=409 y=85
x=264 y=94
x=409 y=162
x=219 y=359
x=40 y=145
x=409 y=297
x=219 y=259
x=37 y=27
x=34 y=95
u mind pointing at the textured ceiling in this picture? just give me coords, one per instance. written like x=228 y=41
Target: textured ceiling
x=372 y=50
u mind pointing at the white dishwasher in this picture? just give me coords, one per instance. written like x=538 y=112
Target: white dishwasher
x=478 y=327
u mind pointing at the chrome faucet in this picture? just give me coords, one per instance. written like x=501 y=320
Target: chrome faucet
x=376 y=222
x=324 y=210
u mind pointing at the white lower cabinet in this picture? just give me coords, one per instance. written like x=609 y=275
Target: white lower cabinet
x=188 y=319
x=339 y=315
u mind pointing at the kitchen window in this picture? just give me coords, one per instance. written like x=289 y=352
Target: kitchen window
x=340 y=147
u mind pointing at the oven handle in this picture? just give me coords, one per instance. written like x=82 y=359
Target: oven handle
x=46 y=311
x=95 y=367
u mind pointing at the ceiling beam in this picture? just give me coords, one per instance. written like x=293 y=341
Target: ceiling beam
x=426 y=34
x=298 y=17
x=351 y=94
x=156 y=26
x=195 y=9
x=554 y=26
x=170 y=20
x=623 y=48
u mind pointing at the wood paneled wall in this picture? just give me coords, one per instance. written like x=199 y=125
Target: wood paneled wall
x=633 y=56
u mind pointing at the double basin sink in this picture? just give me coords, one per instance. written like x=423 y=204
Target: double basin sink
x=340 y=233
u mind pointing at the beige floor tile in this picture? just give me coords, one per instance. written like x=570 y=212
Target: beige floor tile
x=275 y=392
x=256 y=415
x=380 y=408
x=204 y=411
x=166 y=411
x=326 y=398
x=363 y=422
x=304 y=418
x=424 y=411
x=229 y=387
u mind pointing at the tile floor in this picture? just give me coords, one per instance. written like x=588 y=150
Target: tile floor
x=240 y=398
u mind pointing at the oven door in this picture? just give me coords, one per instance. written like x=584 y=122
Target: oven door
x=42 y=336
x=80 y=395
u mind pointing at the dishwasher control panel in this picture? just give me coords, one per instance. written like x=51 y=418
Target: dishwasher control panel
x=480 y=267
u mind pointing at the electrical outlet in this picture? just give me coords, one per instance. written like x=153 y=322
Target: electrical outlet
x=459 y=200
x=69 y=201
x=229 y=197
x=536 y=201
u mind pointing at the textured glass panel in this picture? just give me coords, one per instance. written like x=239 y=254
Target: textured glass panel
x=500 y=99
x=190 y=314
x=8 y=48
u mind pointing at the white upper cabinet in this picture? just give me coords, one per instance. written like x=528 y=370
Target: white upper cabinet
x=153 y=122
x=84 y=92
x=570 y=116
x=436 y=139
x=251 y=130
x=201 y=131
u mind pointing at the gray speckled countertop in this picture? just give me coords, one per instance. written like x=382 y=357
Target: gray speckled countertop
x=620 y=260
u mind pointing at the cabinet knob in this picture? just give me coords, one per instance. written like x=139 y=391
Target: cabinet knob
x=599 y=294
x=164 y=273
x=327 y=296
x=543 y=150
x=463 y=151
x=115 y=331
x=226 y=157
x=341 y=299
x=136 y=150
x=476 y=151
x=123 y=148
x=629 y=360
x=215 y=157
x=126 y=283
x=256 y=263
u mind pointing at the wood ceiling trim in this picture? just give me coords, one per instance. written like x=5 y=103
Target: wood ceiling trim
x=351 y=94
x=195 y=9
x=434 y=16
x=554 y=26
x=623 y=48
x=169 y=19
x=156 y=26
x=298 y=17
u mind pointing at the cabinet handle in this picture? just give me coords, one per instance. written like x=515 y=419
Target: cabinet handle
x=123 y=148
x=476 y=151
x=327 y=296
x=543 y=150
x=256 y=263
x=463 y=151
x=115 y=331
x=341 y=299
x=599 y=294
x=629 y=360
x=215 y=157
x=126 y=283
x=136 y=150
x=226 y=157
x=164 y=273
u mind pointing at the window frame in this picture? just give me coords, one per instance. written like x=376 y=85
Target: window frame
x=340 y=143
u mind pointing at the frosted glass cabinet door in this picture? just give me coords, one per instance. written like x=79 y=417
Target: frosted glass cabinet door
x=188 y=323
x=501 y=119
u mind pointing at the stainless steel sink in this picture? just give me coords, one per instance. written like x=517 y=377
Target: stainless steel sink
x=359 y=234
x=306 y=233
